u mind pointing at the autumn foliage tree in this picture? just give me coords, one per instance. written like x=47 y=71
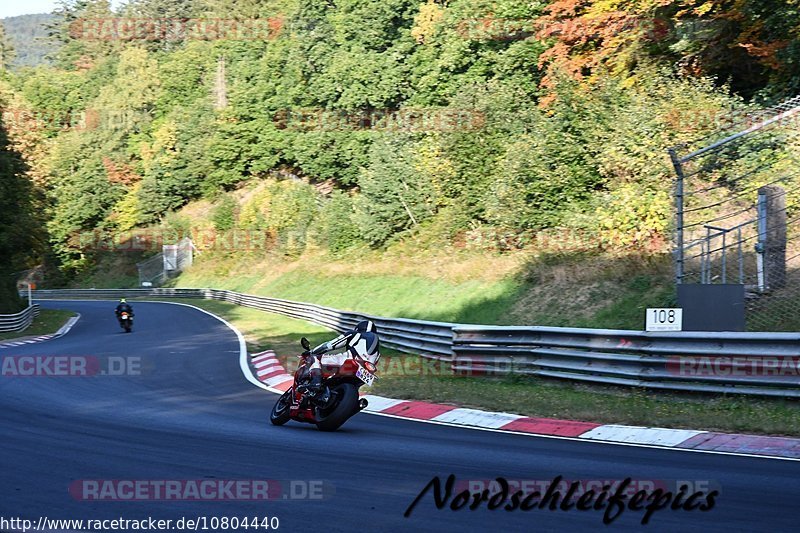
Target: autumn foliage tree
x=748 y=43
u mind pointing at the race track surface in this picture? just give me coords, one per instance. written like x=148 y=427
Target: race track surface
x=191 y=415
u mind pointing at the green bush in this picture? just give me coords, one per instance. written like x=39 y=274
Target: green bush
x=224 y=215
x=395 y=193
x=338 y=230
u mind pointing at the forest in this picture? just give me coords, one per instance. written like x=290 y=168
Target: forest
x=462 y=123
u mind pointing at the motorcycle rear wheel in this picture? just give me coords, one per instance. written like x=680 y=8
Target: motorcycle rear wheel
x=281 y=410
x=345 y=406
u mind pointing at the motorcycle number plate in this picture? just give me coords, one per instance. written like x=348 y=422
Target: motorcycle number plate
x=364 y=375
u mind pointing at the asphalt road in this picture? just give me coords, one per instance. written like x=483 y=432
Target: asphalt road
x=190 y=414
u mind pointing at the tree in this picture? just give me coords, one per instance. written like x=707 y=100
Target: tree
x=747 y=43
x=515 y=158
x=169 y=17
x=224 y=216
x=395 y=194
x=7 y=52
x=83 y=31
x=21 y=236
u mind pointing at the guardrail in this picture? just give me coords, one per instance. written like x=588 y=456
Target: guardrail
x=766 y=364
x=744 y=363
x=19 y=321
x=432 y=339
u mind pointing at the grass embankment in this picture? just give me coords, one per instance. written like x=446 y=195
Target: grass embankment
x=115 y=270
x=48 y=321
x=579 y=290
x=534 y=396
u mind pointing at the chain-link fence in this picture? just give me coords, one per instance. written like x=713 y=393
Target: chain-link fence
x=173 y=260
x=737 y=218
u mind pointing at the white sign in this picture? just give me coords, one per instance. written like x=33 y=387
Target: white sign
x=661 y=319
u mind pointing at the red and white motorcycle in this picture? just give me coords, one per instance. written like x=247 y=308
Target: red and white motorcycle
x=342 y=381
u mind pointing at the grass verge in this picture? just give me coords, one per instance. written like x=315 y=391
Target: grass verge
x=535 y=397
x=545 y=398
x=603 y=292
x=48 y=321
x=261 y=330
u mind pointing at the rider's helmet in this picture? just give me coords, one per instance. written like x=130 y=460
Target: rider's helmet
x=123 y=301
x=364 y=343
x=366 y=326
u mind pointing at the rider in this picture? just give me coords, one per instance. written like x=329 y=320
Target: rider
x=123 y=307
x=360 y=341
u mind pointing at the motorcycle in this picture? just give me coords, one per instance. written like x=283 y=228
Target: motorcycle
x=126 y=321
x=343 y=383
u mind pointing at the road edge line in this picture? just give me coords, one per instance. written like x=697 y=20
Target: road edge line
x=243 y=355
x=63 y=330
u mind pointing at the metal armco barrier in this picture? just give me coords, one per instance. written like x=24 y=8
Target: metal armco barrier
x=742 y=363
x=766 y=364
x=19 y=321
x=433 y=339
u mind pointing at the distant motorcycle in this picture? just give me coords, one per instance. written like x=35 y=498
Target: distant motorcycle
x=126 y=321
x=343 y=402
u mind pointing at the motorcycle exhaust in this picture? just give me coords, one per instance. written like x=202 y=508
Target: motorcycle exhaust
x=362 y=404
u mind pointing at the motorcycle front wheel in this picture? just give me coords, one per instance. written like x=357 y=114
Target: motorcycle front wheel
x=280 y=411
x=343 y=405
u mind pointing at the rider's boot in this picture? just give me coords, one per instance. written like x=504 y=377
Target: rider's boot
x=316 y=388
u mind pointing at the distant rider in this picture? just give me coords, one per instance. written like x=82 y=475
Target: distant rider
x=123 y=307
x=361 y=341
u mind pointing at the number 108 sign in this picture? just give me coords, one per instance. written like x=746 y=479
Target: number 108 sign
x=661 y=319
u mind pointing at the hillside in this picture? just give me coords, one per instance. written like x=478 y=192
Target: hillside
x=28 y=35
x=560 y=282
x=576 y=292
x=423 y=129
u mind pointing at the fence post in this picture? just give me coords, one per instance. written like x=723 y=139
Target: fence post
x=772 y=234
x=676 y=162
